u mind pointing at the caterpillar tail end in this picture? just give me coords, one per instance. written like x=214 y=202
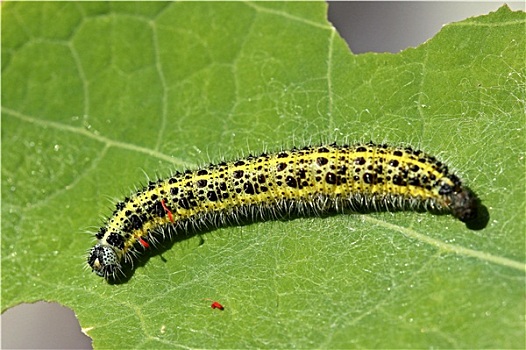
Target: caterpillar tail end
x=104 y=261
x=464 y=205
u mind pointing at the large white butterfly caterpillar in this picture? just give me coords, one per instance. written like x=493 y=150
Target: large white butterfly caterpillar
x=307 y=180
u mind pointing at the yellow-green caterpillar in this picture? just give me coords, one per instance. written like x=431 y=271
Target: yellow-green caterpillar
x=307 y=180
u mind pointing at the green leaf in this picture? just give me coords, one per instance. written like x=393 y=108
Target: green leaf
x=95 y=95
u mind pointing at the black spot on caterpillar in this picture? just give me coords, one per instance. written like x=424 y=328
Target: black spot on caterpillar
x=311 y=179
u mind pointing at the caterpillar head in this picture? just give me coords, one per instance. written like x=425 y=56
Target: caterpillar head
x=104 y=261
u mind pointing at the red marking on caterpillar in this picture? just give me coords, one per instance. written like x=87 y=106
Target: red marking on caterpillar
x=170 y=215
x=144 y=243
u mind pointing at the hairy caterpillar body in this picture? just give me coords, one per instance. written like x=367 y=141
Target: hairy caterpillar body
x=307 y=180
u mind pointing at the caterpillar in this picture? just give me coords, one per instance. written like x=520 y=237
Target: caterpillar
x=313 y=179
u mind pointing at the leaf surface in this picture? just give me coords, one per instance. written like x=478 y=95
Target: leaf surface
x=96 y=95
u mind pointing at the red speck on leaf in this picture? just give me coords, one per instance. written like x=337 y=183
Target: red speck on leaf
x=216 y=305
